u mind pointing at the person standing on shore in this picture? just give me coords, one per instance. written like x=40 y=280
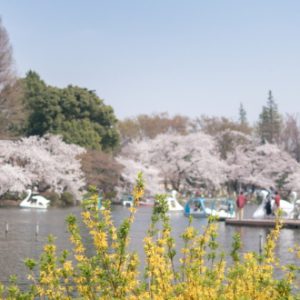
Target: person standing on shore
x=277 y=202
x=240 y=203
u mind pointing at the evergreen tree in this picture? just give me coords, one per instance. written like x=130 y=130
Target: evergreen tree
x=77 y=114
x=270 y=122
x=242 y=115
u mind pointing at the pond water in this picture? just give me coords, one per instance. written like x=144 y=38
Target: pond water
x=22 y=242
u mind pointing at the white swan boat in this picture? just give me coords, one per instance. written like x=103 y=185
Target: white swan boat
x=222 y=209
x=295 y=214
x=286 y=207
x=34 y=201
x=173 y=204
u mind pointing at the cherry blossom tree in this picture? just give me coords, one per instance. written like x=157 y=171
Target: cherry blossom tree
x=293 y=182
x=42 y=162
x=181 y=161
x=13 y=178
x=264 y=166
x=151 y=176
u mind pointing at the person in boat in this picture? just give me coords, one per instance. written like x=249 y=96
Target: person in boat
x=240 y=204
x=197 y=205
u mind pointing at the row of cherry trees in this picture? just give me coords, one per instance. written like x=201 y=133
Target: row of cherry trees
x=181 y=162
x=192 y=161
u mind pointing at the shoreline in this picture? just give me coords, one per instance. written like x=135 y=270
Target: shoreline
x=9 y=203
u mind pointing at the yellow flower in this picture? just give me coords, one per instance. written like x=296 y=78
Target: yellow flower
x=68 y=266
x=79 y=258
x=86 y=214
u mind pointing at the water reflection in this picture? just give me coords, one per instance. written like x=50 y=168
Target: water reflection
x=21 y=241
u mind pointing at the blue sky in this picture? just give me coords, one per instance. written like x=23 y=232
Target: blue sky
x=147 y=56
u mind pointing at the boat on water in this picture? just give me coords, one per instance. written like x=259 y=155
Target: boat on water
x=89 y=202
x=33 y=200
x=201 y=208
x=295 y=214
x=195 y=207
x=172 y=202
x=222 y=209
x=147 y=202
x=287 y=208
x=127 y=200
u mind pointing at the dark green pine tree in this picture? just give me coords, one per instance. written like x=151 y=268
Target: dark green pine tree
x=76 y=113
x=242 y=115
x=270 y=121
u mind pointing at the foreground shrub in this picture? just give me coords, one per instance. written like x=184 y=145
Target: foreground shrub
x=112 y=271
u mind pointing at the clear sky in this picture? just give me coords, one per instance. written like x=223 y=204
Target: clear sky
x=144 y=56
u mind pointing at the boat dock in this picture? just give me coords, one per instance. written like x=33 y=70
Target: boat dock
x=286 y=223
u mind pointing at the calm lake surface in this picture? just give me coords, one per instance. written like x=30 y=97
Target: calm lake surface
x=22 y=242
